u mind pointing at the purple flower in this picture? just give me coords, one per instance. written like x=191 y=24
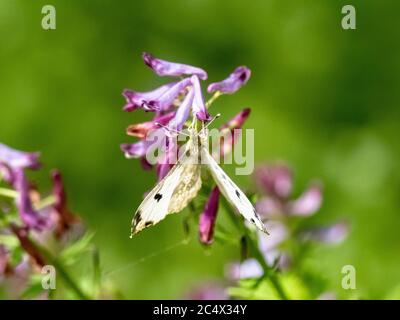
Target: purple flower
x=141 y=130
x=28 y=246
x=166 y=100
x=65 y=218
x=308 y=203
x=199 y=107
x=142 y=100
x=250 y=268
x=208 y=217
x=334 y=233
x=208 y=291
x=136 y=150
x=183 y=111
x=18 y=159
x=275 y=180
x=29 y=216
x=168 y=159
x=233 y=83
x=228 y=140
x=166 y=68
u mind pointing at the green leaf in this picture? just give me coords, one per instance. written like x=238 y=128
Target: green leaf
x=71 y=253
x=264 y=290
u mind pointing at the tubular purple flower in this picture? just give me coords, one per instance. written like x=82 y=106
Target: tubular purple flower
x=141 y=130
x=208 y=291
x=269 y=207
x=140 y=100
x=238 y=120
x=308 y=203
x=208 y=217
x=275 y=180
x=28 y=215
x=65 y=218
x=229 y=139
x=166 y=100
x=335 y=233
x=6 y=173
x=250 y=268
x=136 y=150
x=166 y=68
x=168 y=160
x=199 y=107
x=183 y=111
x=19 y=159
x=278 y=233
x=233 y=83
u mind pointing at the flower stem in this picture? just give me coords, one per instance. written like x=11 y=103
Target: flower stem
x=216 y=95
x=9 y=193
x=63 y=273
x=268 y=271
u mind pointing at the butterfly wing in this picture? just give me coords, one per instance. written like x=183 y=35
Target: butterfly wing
x=232 y=192
x=171 y=194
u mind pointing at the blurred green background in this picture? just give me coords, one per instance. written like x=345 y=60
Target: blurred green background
x=324 y=99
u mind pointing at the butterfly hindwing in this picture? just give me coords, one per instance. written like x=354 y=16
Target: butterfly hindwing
x=154 y=207
x=232 y=192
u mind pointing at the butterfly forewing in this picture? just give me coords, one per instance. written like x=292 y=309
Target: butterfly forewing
x=232 y=192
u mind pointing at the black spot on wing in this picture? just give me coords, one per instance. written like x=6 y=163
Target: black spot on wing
x=252 y=220
x=137 y=218
x=158 y=197
x=148 y=223
x=237 y=194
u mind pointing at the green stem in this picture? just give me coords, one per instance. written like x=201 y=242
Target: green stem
x=216 y=95
x=9 y=193
x=268 y=271
x=63 y=273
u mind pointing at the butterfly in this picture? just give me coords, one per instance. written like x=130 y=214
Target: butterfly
x=182 y=183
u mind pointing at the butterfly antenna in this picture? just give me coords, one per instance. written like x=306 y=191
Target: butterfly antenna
x=170 y=129
x=211 y=121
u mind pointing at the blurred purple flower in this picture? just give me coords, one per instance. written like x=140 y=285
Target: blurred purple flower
x=275 y=180
x=166 y=68
x=308 y=203
x=233 y=83
x=208 y=291
x=28 y=246
x=332 y=234
x=199 y=107
x=29 y=216
x=65 y=218
x=18 y=159
x=208 y=217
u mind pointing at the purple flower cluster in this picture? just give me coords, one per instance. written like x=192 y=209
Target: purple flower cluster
x=172 y=105
x=35 y=219
x=278 y=208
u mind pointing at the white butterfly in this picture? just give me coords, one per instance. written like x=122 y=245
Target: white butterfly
x=182 y=183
